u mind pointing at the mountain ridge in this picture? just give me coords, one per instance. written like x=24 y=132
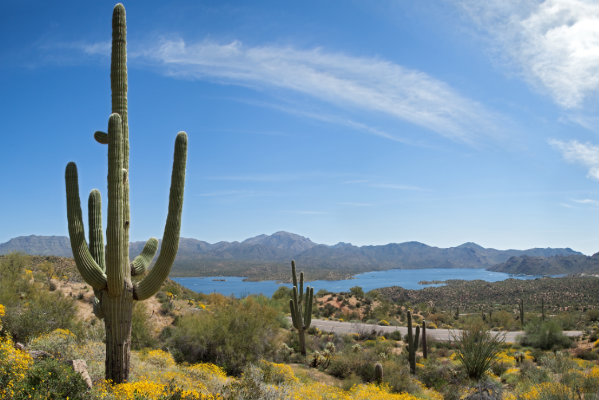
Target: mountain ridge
x=269 y=255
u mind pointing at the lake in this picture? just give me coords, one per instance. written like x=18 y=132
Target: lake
x=406 y=278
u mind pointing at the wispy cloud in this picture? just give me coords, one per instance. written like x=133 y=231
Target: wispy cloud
x=590 y=202
x=360 y=83
x=355 y=204
x=554 y=43
x=306 y=212
x=395 y=186
x=585 y=154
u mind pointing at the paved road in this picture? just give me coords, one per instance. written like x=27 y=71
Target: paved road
x=438 y=334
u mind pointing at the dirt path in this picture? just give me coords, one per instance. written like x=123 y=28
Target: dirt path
x=442 y=335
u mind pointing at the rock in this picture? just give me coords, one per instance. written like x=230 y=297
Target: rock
x=80 y=366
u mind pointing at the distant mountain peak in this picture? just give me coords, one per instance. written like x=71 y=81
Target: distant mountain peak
x=470 y=245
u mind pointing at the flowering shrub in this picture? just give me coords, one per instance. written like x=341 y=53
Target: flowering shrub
x=58 y=342
x=277 y=373
x=548 y=391
x=147 y=389
x=51 y=379
x=14 y=364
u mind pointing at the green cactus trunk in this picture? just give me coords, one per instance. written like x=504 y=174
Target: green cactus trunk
x=107 y=268
x=378 y=373
x=424 y=348
x=301 y=307
x=411 y=346
x=521 y=306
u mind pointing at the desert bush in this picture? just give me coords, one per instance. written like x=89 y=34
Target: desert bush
x=549 y=391
x=31 y=310
x=142 y=331
x=231 y=336
x=545 y=335
x=51 y=379
x=477 y=349
x=14 y=364
x=438 y=373
x=58 y=342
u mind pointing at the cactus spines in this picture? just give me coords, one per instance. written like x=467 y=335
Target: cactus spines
x=378 y=373
x=424 y=348
x=107 y=268
x=411 y=347
x=301 y=307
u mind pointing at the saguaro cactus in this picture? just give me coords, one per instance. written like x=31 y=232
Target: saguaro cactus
x=301 y=314
x=521 y=307
x=378 y=373
x=411 y=346
x=424 y=348
x=107 y=269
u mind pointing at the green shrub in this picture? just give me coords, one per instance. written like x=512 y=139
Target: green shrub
x=142 y=331
x=477 y=349
x=231 y=336
x=545 y=335
x=51 y=379
x=30 y=309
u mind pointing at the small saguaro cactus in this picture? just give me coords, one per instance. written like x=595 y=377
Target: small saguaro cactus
x=107 y=269
x=301 y=307
x=424 y=348
x=521 y=307
x=542 y=309
x=411 y=346
x=378 y=373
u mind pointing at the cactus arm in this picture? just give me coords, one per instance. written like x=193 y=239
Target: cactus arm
x=101 y=137
x=88 y=268
x=293 y=313
x=293 y=274
x=96 y=237
x=301 y=287
x=115 y=235
x=308 y=311
x=141 y=262
x=170 y=240
x=416 y=337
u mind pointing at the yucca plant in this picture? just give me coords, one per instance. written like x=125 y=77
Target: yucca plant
x=477 y=349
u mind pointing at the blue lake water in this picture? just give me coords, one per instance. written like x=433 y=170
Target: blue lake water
x=406 y=278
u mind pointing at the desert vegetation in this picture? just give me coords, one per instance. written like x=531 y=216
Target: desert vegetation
x=187 y=345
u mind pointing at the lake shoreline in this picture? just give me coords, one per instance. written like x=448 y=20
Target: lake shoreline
x=414 y=279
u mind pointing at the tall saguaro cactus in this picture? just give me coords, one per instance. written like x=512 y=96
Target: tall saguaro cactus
x=301 y=314
x=107 y=269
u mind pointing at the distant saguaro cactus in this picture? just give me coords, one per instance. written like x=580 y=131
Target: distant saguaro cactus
x=301 y=314
x=542 y=309
x=521 y=307
x=107 y=269
x=378 y=373
x=424 y=348
x=411 y=346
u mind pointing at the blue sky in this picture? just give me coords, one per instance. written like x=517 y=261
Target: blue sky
x=358 y=121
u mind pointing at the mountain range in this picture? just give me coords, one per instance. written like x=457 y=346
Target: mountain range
x=268 y=256
x=555 y=265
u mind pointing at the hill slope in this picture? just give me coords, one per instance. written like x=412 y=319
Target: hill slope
x=560 y=264
x=268 y=256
